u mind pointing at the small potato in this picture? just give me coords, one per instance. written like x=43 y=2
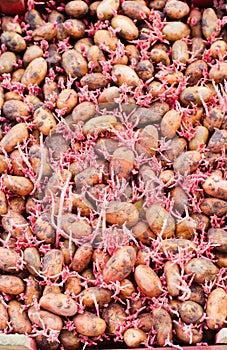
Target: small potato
x=144 y=69
x=89 y=324
x=67 y=99
x=11 y=284
x=68 y=339
x=51 y=91
x=98 y=125
x=108 y=95
x=46 y=32
x=221 y=259
x=3 y=204
x=190 y=312
x=43 y=229
x=218 y=72
x=195 y=71
x=162 y=325
x=94 y=81
x=175 y=31
x=142 y=232
x=32 y=258
x=134 y=337
x=180 y=51
x=202 y=269
x=44 y=119
x=160 y=221
x=148 y=140
x=200 y=138
x=35 y=72
x=171 y=121
x=218 y=141
x=9 y=24
x=82 y=257
x=120 y=264
x=73 y=285
x=197 y=294
x=214 y=118
x=13 y=41
x=198 y=47
x=18 y=318
x=74 y=63
x=193 y=338
x=83 y=45
x=18 y=133
x=51 y=289
x=135 y=10
x=127 y=288
x=17 y=75
x=74 y=227
x=33 y=291
x=102 y=296
x=76 y=9
x=103 y=37
x=186 y=228
x=68 y=249
x=180 y=199
x=148 y=281
x=58 y=303
x=187 y=162
x=176 y=9
x=195 y=95
x=122 y=212
x=83 y=112
x=19 y=185
x=45 y=319
x=176 y=146
x=216 y=309
x=10 y=95
x=173 y=278
x=218 y=49
x=114 y=315
x=52 y=263
x=95 y=55
x=8 y=259
x=17 y=225
x=218 y=238
x=143 y=116
x=216 y=187
x=211 y=206
x=195 y=23
x=32 y=52
x=146 y=322
x=124 y=74
x=74 y=28
x=33 y=18
x=209 y=23
x=159 y=56
x=44 y=343
x=14 y=109
x=122 y=162
x=52 y=143
x=105 y=9
x=7 y=61
x=128 y=29
x=18 y=164
x=132 y=52
x=4 y=317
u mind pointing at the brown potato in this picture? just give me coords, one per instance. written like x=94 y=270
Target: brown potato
x=7 y=61
x=216 y=309
x=51 y=289
x=76 y=9
x=3 y=203
x=18 y=318
x=103 y=37
x=94 y=81
x=43 y=229
x=174 y=246
x=32 y=52
x=195 y=23
x=52 y=263
x=83 y=111
x=187 y=162
x=197 y=294
x=89 y=324
x=171 y=121
x=180 y=51
x=176 y=146
x=134 y=337
x=73 y=285
x=46 y=32
x=120 y=264
x=202 y=269
x=218 y=141
x=32 y=258
x=17 y=75
x=9 y=24
x=213 y=119
x=154 y=113
x=186 y=228
x=195 y=71
x=18 y=133
x=218 y=72
x=198 y=47
x=142 y=232
x=17 y=225
x=13 y=41
x=44 y=343
x=175 y=31
x=148 y=281
x=218 y=238
x=127 y=288
x=74 y=63
x=122 y=212
x=190 y=312
x=44 y=119
x=68 y=249
x=82 y=257
x=114 y=315
x=209 y=23
x=59 y=304
x=193 y=338
x=18 y=164
x=135 y=10
x=162 y=325
x=173 y=278
x=9 y=259
x=221 y=259
x=148 y=140
x=67 y=99
x=216 y=187
x=128 y=29
x=4 y=317
x=98 y=125
x=74 y=28
x=122 y=162
x=45 y=319
x=35 y=72
x=68 y=339
x=19 y=185
x=74 y=227
x=176 y=9
x=160 y=221
x=101 y=295
x=33 y=291
x=106 y=7
x=146 y=322
x=144 y=68
x=218 y=49
x=211 y=206
x=33 y=18
x=125 y=74
x=195 y=95
x=200 y=138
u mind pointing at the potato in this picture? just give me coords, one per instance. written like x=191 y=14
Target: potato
x=120 y=213
x=32 y=52
x=74 y=63
x=52 y=143
x=180 y=51
x=162 y=325
x=44 y=119
x=135 y=10
x=105 y=9
x=218 y=72
x=9 y=259
x=17 y=225
x=218 y=238
x=143 y=116
x=120 y=264
x=171 y=121
x=109 y=94
x=197 y=294
x=95 y=55
x=18 y=164
x=33 y=18
x=202 y=269
x=176 y=9
x=144 y=69
x=125 y=74
x=209 y=23
x=127 y=288
x=74 y=227
x=215 y=186
x=73 y=285
x=59 y=304
x=9 y=24
x=32 y=258
x=211 y=206
x=43 y=229
x=195 y=23
x=190 y=312
x=89 y=325
x=213 y=119
x=17 y=75
x=114 y=316
x=193 y=337
x=13 y=41
x=218 y=49
x=68 y=249
x=18 y=318
x=148 y=140
x=45 y=319
x=198 y=47
x=52 y=263
x=68 y=339
x=128 y=29
x=94 y=81
x=218 y=141
x=122 y=162
x=186 y=228
x=82 y=257
x=142 y=232
x=176 y=146
x=195 y=71
x=134 y=337
x=3 y=203
x=175 y=31
x=160 y=221
x=200 y=138
x=51 y=289
x=67 y=99
x=216 y=309
x=19 y=185
x=76 y=9
x=98 y=125
x=174 y=246
x=4 y=317
x=103 y=37
x=74 y=28
x=173 y=278
x=46 y=32
x=33 y=291
x=221 y=259
x=7 y=61
x=146 y=322
x=187 y=162
x=147 y=280
x=35 y=72
x=102 y=296
x=44 y=343
x=195 y=95
x=83 y=112
x=18 y=133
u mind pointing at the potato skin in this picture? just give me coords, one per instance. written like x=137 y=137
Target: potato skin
x=162 y=325
x=134 y=337
x=216 y=309
x=68 y=339
x=18 y=133
x=148 y=281
x=101 y=295
x=18 y=184
x=190 y=312
x=52 y=263
x=8 y=259
x=113 y=315
x=20 y=321
x=82 y=257
x=59 y=304
x=173 y=278
x=33 y=291
x=11 y=284
x=160 y=221
x=203 y=269
x=186 y=338
x=120 y=264
x=32 y=259
x=45 y=319
x=35 y=72
x=89 y=324
x=122 y=212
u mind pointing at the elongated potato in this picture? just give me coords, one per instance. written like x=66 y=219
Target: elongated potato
x=59 y=304
x=8 y=259
x=89 y=324
x=120 y=264
x=45 y=319
x=33 y=291
x=18 y=133
x=52 y=263
x=162 y=325
x=32 y=259
x=122 y=212
x=216 y=309
x=17 y=225
x=4 y=317
x=82 y=257
x=101 y=295
x=173 y=278
x=202 y=269
x=147 y=280
x=114 y=315
x=18 y=184
x=18 y=318
x=160 y=221
x=11 y=284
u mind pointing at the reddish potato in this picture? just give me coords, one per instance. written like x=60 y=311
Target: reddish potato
x=148 y=281
x=82 y=257
x=216 y=309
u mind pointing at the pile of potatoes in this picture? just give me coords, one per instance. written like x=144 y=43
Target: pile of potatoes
x=113 y=194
